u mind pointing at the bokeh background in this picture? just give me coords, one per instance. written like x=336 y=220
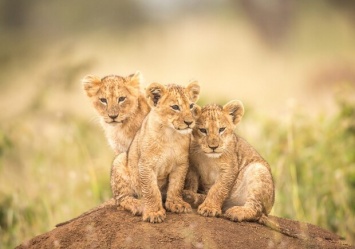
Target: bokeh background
x=292 y=63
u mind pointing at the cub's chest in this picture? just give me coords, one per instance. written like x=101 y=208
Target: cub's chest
x=118 y=138
x=208 y=170
x=169 y=158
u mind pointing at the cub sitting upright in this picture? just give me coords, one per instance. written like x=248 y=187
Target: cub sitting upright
x=121 y=107
x=224 y=166
x=157 y=160
x=229 y=172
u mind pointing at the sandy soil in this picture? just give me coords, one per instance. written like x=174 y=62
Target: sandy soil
x=111 y=228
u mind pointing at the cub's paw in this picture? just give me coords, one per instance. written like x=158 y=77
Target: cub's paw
x=209 y=211
x=154 y=217
x=135 y=206
x=177 y=206
x=242 y=213
x=194 y=199
x=235 y=213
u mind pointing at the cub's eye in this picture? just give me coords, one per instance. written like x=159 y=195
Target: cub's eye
x=103 y=101
x=192 y=105
x=222 y=129
x=202 y=130
x=175 y=107
x=121 y=99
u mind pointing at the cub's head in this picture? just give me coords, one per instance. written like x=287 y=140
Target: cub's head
x=115 y=98
x=215 y=126
x=174 y=104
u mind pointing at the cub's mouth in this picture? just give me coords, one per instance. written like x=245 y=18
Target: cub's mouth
x=187 y=130
x=113 y=121
x=213 y=154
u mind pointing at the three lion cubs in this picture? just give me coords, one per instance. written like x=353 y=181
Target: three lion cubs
x=225 y=174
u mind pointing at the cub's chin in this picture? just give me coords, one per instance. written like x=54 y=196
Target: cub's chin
x=184 y=131
x=213 y=155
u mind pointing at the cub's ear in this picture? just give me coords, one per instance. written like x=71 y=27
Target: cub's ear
x=91 y=84
x=193 y=88
x=154 y=92
x=234 y=110
x=196 y=111
x=136 y=79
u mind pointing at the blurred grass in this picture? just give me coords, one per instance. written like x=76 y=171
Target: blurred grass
x=49 y=174
x=54 y=159
x=313 y=164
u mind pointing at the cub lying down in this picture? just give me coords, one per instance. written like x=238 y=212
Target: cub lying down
x=232 y=177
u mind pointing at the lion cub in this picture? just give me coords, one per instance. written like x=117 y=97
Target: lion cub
x=224 y=166
x=157 y=160
x=121 y=107
x=229 y=172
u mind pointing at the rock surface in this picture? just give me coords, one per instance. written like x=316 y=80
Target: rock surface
x=112 y=228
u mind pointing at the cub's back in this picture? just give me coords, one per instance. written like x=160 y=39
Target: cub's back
x=246 y=153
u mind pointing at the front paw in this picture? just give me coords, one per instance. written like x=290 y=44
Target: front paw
x=154 y=216
x=242 y=213
x=135 y=206
x=177 y=206
x=208 y=210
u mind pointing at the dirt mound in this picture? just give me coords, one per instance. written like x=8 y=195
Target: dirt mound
x=112 y=228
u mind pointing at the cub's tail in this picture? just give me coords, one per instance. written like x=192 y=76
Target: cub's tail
x=266 y=221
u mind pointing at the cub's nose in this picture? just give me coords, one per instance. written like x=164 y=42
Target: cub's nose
x=213 y=147
x=113 y=116
x=188 y=123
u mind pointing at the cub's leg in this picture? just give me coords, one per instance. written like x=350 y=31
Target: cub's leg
x=174 y=201
x=121 y=185
x=212 y=206
x=189 y=193
x=253 y=197
x=151 y=196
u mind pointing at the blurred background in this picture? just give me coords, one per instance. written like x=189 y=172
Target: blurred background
x=291 y=62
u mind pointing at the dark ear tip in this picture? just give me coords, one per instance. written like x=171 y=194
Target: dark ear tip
x=235 y=109
x=156 y=98
x=154 y=92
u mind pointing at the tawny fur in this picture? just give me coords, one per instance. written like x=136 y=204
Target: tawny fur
x=231 y=177
x=157 y=160
x=121 y=107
